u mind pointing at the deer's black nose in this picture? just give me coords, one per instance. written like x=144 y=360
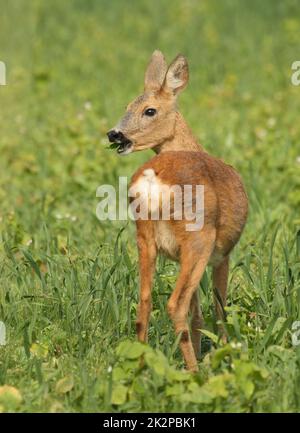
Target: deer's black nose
x=114 y=136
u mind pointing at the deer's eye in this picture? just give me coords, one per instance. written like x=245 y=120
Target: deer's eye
x=150 y=112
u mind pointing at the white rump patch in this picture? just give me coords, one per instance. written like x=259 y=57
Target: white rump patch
x=146 y=194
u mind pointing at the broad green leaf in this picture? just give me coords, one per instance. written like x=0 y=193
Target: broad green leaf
x=119 y=394
x=131 y=350
x=172 y=390
x=119 y=374
x=177 y=375
x=157 y=362
x=247 y=387
x=10 y=397
x=138 y=386
x=197 y=394
x=216 y=385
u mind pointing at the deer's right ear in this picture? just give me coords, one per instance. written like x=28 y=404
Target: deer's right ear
x=177 y=76
x=156 y=72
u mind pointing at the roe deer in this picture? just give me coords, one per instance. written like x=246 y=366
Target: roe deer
x=153 y=121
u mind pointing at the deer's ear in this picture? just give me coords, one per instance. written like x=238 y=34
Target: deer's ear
x=156 y=71
x=177 y=75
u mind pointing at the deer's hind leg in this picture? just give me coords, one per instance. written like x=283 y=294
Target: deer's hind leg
x=195 y=250
x=196 y=323
x=220 y=282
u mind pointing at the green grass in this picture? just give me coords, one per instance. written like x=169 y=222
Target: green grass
x=69 y=283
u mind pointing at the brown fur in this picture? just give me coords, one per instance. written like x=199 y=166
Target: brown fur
x=225 y=214
x=181 y=161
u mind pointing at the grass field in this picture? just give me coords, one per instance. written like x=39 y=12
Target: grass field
x=68 y=282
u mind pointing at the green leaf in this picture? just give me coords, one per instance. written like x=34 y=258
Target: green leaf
x=10 y=397
x=197 y=394
x=174 y=375
x=244 y=370
x=138 y=386
x=33 y=263
x=119 y=374
x=220 y=354
x=119 y=394
x=216 y=385
x=210 y=335
x=130 y=364
x=157 y=362
x=173 y=390
x=247 y=387
x=131 y=350
x=113 y=146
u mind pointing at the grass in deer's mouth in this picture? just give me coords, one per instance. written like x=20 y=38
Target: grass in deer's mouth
x=121 y=147
x=114 y=146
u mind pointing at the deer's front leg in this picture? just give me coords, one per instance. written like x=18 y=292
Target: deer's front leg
x=147 y=259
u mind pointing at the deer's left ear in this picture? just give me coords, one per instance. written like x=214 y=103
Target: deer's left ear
x=177 y=75
x=156 y=71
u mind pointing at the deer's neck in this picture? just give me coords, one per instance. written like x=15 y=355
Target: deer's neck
x=182 y=139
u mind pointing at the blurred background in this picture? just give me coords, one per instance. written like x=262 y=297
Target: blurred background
x=72 y=67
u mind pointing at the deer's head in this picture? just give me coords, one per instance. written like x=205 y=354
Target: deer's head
x=150 y=119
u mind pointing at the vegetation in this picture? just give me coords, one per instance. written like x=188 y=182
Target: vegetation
x=68 y=282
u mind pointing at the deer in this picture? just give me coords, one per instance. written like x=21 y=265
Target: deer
x=152 y=121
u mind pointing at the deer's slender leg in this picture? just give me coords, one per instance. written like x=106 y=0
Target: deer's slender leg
x=220 y=280
x=196 y=323
x=195 y=254
x=147 y=258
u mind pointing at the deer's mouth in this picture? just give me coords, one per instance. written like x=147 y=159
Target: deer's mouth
x=120 y=142
x=123 y=147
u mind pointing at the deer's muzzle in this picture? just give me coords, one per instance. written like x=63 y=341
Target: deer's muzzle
x=119 y=142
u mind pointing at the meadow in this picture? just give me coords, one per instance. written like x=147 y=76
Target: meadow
x=68 y=282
